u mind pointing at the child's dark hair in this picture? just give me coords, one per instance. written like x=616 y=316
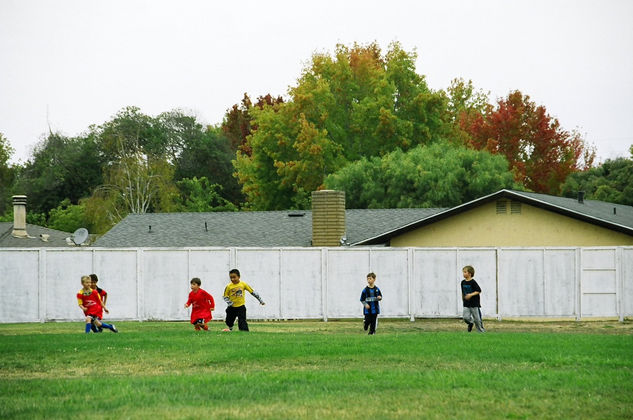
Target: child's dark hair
x=235 y=271
x=196 y=280
x=94 y=278
x=372 y=275
x=470 y=269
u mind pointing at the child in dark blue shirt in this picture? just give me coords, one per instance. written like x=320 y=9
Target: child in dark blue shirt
x=370 y=297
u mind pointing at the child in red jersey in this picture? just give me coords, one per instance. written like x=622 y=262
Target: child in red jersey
x=104 y=297
x=202 y=304
x=90 y=302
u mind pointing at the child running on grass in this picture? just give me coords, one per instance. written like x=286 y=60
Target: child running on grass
x=90 y=302
x=234 y=297
x=470 y=297
x=202 y=304
x=370 y=297
x=102 y=293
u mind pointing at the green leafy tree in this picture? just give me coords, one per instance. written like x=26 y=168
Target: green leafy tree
x=438 y=175
x=68 y=217
x=237 y=123
x=8 y=174
x=200 y=195
x=61 y=168
x=357 y=103
x=208 y=155
x=612 y=181
x=138 y=177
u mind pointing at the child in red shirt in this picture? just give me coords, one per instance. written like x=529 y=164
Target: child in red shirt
x=90 y=302
x=202 y=304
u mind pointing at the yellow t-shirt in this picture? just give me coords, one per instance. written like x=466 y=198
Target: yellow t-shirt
x=235 y=292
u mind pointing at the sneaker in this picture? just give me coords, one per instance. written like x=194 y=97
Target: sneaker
x=226 y=330
x=470 y=327
x=114 y=330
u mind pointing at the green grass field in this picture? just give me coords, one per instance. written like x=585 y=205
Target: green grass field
x=316 y=370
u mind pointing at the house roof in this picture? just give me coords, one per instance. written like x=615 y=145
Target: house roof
x=249 y=229
x=56 y=238
x=616 y=217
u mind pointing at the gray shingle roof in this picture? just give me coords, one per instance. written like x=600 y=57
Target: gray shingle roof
x=616 y=217
x=248 y=229
x=56 y=238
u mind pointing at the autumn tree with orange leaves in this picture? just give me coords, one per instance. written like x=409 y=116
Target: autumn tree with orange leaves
x=237 y=124
x=541 y=153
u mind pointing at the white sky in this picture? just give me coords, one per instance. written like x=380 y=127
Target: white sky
x=70 y=64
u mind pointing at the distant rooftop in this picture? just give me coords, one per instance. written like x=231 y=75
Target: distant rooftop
x=56 y=238
x=248 y=229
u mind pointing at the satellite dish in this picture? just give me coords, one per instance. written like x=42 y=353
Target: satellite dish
x=80 y=236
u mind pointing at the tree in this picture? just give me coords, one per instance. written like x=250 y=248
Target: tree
x=138 y=176
x=611 y=181
x=438 y=175
x=541 y=153
x=7 y=175
x=61 y=168
x=237 y=123
x=199 y=195
x=359 y=103
x=68 y=217
x=208 y=155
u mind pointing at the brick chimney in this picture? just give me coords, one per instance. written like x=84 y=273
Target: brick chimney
x=328 y=217
x=19 y=216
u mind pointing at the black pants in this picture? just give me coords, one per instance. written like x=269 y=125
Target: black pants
x=240 y=313
x=370 y=321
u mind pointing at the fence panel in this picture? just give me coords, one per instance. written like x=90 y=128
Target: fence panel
x=346 y=278
x=521 y=288
x=599 y=283
x=165 y=284
x=484 y=261
x=260 y=268
x=63 y=280
x=391 y=269
x=560 y=282
x=300 y=291
x=117 y=276
x=436 y=283
x=19 y=281
x=212 y=267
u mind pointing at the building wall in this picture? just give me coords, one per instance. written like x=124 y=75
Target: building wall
x=533 y=226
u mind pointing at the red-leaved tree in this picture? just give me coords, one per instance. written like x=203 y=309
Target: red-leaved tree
x=237 y=123
x=541 y=153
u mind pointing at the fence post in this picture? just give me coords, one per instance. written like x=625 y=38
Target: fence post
x=140 y=297
x=619 y=281
x=578 y=288
x=410 y=282
x=324 y=267
x=42 y=283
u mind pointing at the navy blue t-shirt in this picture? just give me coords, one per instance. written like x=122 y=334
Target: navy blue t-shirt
x=469 y=287
x=370 y=297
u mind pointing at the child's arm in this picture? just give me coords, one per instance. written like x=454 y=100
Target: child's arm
x=469 y=295
x=226 y=297
x=256 y=296
x=103 y=304
x=363 y=296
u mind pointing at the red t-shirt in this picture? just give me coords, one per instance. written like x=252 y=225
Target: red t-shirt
x=201 y=304
x=92 y=302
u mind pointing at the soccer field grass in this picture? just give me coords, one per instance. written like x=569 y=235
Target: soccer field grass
x=317 y=370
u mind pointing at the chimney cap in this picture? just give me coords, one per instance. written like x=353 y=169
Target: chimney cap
x=581 y=197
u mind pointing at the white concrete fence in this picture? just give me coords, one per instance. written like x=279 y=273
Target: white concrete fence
x=321 y=283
